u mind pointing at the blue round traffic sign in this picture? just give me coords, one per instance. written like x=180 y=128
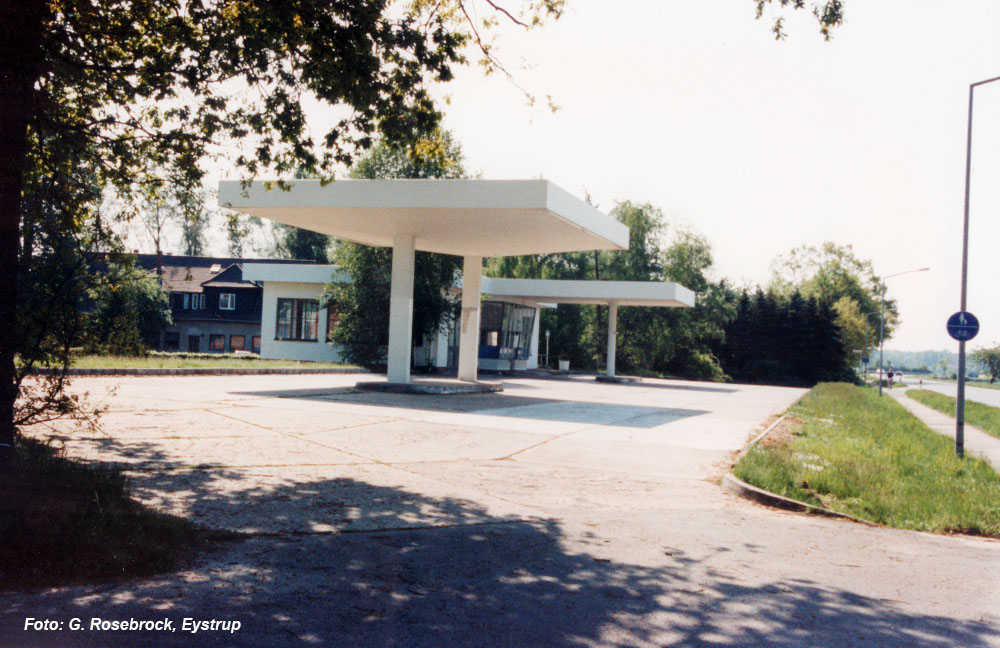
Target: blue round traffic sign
x=963 y=326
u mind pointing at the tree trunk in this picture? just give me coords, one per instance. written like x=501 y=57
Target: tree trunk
x=20 y=44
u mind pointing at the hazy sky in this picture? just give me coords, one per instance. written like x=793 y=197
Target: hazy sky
x=763 y=146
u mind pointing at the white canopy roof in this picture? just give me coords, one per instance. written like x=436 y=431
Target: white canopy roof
x=623 y=293
x=530 y=291
x=460 y=217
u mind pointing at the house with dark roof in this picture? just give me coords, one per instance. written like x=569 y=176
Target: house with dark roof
x=214 y=308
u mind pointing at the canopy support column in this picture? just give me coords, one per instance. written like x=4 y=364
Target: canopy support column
x=612 y=337
x=401 y=309
x=468 y=341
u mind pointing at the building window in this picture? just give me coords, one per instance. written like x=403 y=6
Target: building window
x=515 y=337
x=201 y=301
x=255 y=344
x=298 y=319
x=505 y=330
x=227 y=301
x=216 y=342
x=187 y=301
x=171 y=341
x=237 y=342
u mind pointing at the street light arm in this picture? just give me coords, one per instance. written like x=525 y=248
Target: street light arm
x=901 y=273
x=979 y=83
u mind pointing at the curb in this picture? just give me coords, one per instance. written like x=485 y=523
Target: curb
x=194 y=371
x=734 y=484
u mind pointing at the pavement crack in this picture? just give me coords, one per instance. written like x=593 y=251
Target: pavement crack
x=282 y=535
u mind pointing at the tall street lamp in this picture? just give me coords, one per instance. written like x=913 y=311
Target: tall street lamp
x=960 y=394
x=867 y=316
x=881 y=322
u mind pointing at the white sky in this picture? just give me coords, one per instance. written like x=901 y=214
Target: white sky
x=763 y=146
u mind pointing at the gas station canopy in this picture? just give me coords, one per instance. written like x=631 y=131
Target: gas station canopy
x=460 y=217
x=467 y=218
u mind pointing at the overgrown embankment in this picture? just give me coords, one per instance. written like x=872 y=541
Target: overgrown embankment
x=63 y=521
x=868 y=457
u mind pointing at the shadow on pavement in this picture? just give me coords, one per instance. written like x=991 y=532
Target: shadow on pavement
x=698 y=388
x=405 y=569
x=499 y=404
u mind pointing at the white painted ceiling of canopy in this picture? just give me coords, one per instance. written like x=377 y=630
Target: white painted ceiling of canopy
x=460 y=217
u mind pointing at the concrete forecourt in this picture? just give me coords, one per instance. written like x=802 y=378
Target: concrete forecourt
x=555 y=513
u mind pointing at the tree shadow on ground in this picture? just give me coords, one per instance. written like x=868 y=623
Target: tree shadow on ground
x=401 y=568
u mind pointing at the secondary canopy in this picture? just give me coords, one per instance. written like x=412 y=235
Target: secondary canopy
x=611 y=293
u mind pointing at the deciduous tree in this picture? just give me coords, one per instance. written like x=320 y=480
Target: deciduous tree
x=363 y=302
x=833 y=273
x=989 y=360
x=122 y=86
x=828 y=13
x=128 y=305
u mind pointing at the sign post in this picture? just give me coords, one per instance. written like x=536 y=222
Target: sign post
x=962 y=326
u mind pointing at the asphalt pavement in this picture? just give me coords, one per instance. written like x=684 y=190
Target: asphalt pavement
x=983 y=395
x=555 y=513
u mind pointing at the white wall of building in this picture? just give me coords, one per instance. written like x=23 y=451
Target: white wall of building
x=290 y=281
x=318 y=350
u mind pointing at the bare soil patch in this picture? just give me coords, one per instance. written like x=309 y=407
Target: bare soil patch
x=782 y=432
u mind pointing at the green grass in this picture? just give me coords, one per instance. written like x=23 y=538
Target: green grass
x=868 y=457
x=169 y=361
x=63 y=521
x=982 y=416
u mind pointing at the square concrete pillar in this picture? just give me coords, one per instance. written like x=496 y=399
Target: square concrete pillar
x=401 y=309
x=468 y=340
x=612 y=337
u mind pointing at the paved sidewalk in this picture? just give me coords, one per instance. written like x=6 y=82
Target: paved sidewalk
x=977 y=442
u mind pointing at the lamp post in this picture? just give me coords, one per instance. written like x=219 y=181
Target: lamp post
x=881 y=322
x=867 y=315
x=960 y=393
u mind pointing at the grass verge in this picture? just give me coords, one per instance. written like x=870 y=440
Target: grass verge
x=162 y=361
x=64 y=522
x=982 y=416
x=868 y=457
